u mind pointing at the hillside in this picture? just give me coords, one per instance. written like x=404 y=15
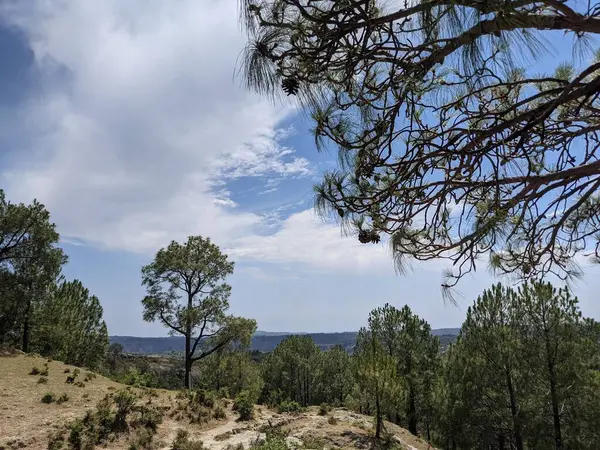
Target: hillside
x=261 y=341
x=27 y=422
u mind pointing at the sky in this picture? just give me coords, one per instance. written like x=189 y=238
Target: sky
x=127 y=121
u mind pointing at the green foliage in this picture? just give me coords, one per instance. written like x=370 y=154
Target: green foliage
x=244 y=405
x=186 y=291
x=332 y=420
x=125 y=402
x=183 y=442
x=48 y=397
x=289 y=406
x=62 y=399
x=219 y=413
x=42 y=380
x=324 y=409
x=71 y=326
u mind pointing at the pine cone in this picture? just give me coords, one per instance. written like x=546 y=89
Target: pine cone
x=290 y=86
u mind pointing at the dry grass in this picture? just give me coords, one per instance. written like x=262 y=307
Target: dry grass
x=26 y=422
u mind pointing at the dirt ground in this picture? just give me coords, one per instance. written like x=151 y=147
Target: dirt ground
x=26 y=422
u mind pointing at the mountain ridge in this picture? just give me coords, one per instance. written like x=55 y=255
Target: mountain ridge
x=264 y=341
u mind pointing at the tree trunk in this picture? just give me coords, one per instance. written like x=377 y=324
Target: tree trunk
x=514 y=410
x=555 y=407
x=412 y=411
x=26 y=324
x=188 y=348
x=378 y=418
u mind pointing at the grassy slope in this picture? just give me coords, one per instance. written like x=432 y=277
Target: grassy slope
x=26 y=422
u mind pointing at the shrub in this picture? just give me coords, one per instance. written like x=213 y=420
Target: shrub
x=244 y=405
x=80 y=384
x=205 y=398
x=219 y=413
x=289 y=406
x=34 y=371
x=324 y=409
x=56 y=441
x=142 y=440
x=183 y=442
x=70 y=380
x=63 y=398
x=149 y=418
x=48 y=397
x=42 y=380
x=125 y=402
x=332 y=420
x=44 y=371
x=76 y=372
x=67 y=370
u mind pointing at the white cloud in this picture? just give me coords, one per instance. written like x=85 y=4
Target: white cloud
x=139 y=119
x=138 y=123
x=305 y=239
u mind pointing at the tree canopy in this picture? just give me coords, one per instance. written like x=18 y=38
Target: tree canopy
x=447 y=144
x=187 y=292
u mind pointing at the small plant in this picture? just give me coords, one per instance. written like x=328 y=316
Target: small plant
x=34 y=371
x=183 y=442
x=332 y=420
x=44 y=371
x=142 y=440
x=62 y=399
x=80 y=384
x=76 y=372
x=42 y=380
x=324 y=409
x=85 y=395
x=125 y=402
x=289 y=406
x=48 y=397
x=149 y=418
x=67 y=370
x=219 y=413
x=244 y=405
x=70 y=380
x=56 y=441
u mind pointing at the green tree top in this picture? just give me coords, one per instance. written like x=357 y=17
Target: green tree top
x=187 y=292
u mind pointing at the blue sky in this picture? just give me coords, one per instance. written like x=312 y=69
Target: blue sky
x=125 y=120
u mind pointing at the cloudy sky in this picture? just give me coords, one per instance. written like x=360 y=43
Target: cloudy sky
x=124 y=118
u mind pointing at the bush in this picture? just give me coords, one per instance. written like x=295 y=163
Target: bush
x=56 y=441
x=125 y=402
x=67 y=370
x=42 y=380
x=244 y=405
x=44 y=372
x=48 y=397
x=183 y=442
x=76 y=372
x=34 y=371
x=289 y=406
x=219 y=413
x=62 y=399
x=142 y=440
x=324 y=409
x=332 y=420
x=149 y=418
x=80 y=384
x=205 y=398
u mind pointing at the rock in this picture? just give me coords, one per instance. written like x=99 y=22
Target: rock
x=293 y=442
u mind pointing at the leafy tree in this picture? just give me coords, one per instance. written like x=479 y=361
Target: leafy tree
x=494 y=354
x=334 y=375
x=558 y=352
x=375 y=372
x=30 y=262
x=186 y=291
x=70 y=326
x=291 y=369
x=446 y=144
x=408 y=341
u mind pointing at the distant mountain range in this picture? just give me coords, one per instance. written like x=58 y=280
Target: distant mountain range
x=264 y=341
